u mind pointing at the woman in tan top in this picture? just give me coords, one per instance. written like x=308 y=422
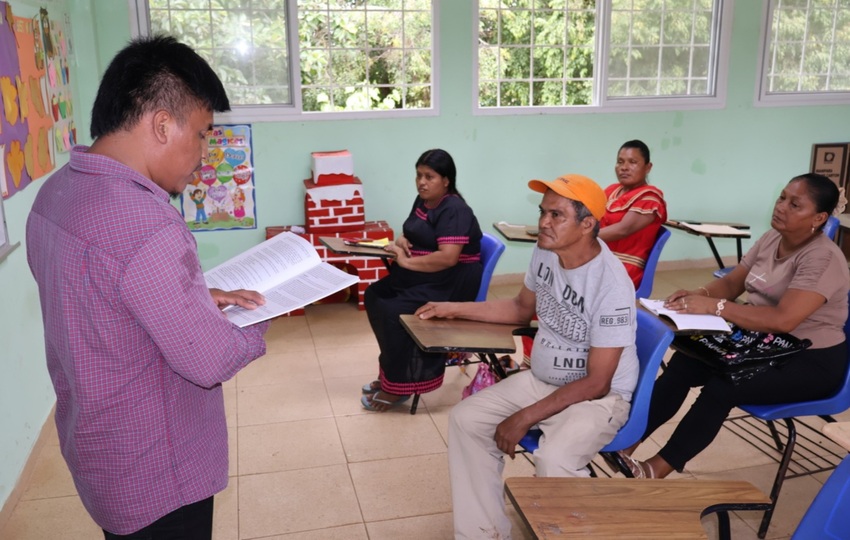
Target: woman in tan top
x=797 y=282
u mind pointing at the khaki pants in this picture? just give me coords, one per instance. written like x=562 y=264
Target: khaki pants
x=570 y=440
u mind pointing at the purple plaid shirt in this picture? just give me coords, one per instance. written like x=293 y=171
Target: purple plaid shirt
x=136 y=348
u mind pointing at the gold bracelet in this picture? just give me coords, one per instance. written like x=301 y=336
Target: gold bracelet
x=704 y=289
x=720 y=306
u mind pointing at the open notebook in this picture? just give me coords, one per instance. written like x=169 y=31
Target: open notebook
x=686 y=321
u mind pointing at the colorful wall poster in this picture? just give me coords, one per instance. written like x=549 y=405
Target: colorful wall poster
x=32 y=96
x=59 y=81
x=14 y=130
x=221 y=194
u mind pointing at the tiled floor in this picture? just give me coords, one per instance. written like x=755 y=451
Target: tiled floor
x=308 y=463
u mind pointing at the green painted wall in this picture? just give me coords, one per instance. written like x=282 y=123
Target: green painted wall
x=720 y=164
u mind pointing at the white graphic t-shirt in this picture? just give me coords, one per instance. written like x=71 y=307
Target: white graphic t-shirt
x=589 y=306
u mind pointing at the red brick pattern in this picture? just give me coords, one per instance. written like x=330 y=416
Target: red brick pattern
x=329 y=216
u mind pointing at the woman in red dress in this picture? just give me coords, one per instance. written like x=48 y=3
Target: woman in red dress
x=635 y=210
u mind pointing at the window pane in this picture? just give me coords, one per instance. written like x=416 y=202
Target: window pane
x=354 y=54
x=245 y=42
x=808 y=47
x=550 y=41
x=376 y=49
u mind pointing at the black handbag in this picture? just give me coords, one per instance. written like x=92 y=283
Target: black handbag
x=741 y=354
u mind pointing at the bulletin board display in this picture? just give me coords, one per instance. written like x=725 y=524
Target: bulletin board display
x=36 y=117
x=221 y=194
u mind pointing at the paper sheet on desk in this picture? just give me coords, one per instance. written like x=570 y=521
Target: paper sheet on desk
x=714 y=229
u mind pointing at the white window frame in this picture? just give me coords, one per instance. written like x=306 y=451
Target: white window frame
x=763 y=98
x=140 y=25
x=722 y=35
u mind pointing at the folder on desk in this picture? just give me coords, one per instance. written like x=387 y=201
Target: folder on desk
x=706 y=228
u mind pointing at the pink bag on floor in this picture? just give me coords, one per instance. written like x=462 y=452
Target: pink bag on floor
x=484 y=377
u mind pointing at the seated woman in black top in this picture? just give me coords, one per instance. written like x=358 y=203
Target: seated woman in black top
x=438 y=258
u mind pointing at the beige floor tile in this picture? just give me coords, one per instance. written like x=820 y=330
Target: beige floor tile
x=279 y=368
x=505 y=289
x=376 y=436
x=347 y=532
x=51 y=436
x=429 y=527
x=345 y=392
x=336 y=325
x=295 y=501
x=230 y=403
x=233 y=451
x=402 y=487
x=226 y=512
x=291 y=445
x=346 y=360
x=50 y=477
x=293 y=400
x=287 y=334
x=440 y=416
x=58 y=517
x=449 y=394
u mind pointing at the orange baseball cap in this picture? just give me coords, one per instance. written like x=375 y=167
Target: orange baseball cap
x=577 y=188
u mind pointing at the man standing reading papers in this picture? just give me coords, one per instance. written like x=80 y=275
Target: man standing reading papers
x=137 y=346
x=583 y=363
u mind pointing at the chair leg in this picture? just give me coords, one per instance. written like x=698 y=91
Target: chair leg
x=780 y=477
x=775 y=434
x=414 y=404
x=723 y=529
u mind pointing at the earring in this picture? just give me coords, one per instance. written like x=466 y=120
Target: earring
x=813 y=230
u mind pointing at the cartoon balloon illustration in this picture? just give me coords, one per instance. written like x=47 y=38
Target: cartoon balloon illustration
x=224 y=172
x=208 y=176
x=234 y=157
x=196 y=178
x=217 y=193
x=242 y=174
x=215 y=156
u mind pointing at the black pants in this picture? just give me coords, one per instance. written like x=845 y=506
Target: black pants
x=191 y=522
x=810 y=375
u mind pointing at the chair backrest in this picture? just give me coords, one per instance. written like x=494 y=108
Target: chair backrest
x=827 y=516
x=645 y=288
x=831 y=227
x=652 y=341
x=491 y=249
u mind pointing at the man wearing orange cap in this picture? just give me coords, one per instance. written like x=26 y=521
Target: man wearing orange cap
x=583 y=364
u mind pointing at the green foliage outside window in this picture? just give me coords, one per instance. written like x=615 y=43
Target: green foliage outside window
x=355 y=55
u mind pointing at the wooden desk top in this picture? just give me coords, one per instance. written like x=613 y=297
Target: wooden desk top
x=458 y=335
x=337 y=245
x=724 y=230
x=518 y=233
x=625 y=507
x=838 y=432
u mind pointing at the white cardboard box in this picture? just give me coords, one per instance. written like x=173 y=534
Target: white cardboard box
x=338 y=162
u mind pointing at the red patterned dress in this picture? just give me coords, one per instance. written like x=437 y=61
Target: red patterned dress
x=634 y=249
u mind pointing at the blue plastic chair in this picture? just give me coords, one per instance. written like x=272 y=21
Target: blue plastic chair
x=491 y=250
x=644 y=290
x=827 y=517
x=652 y=340
x=830 y=230
x=837 y=403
